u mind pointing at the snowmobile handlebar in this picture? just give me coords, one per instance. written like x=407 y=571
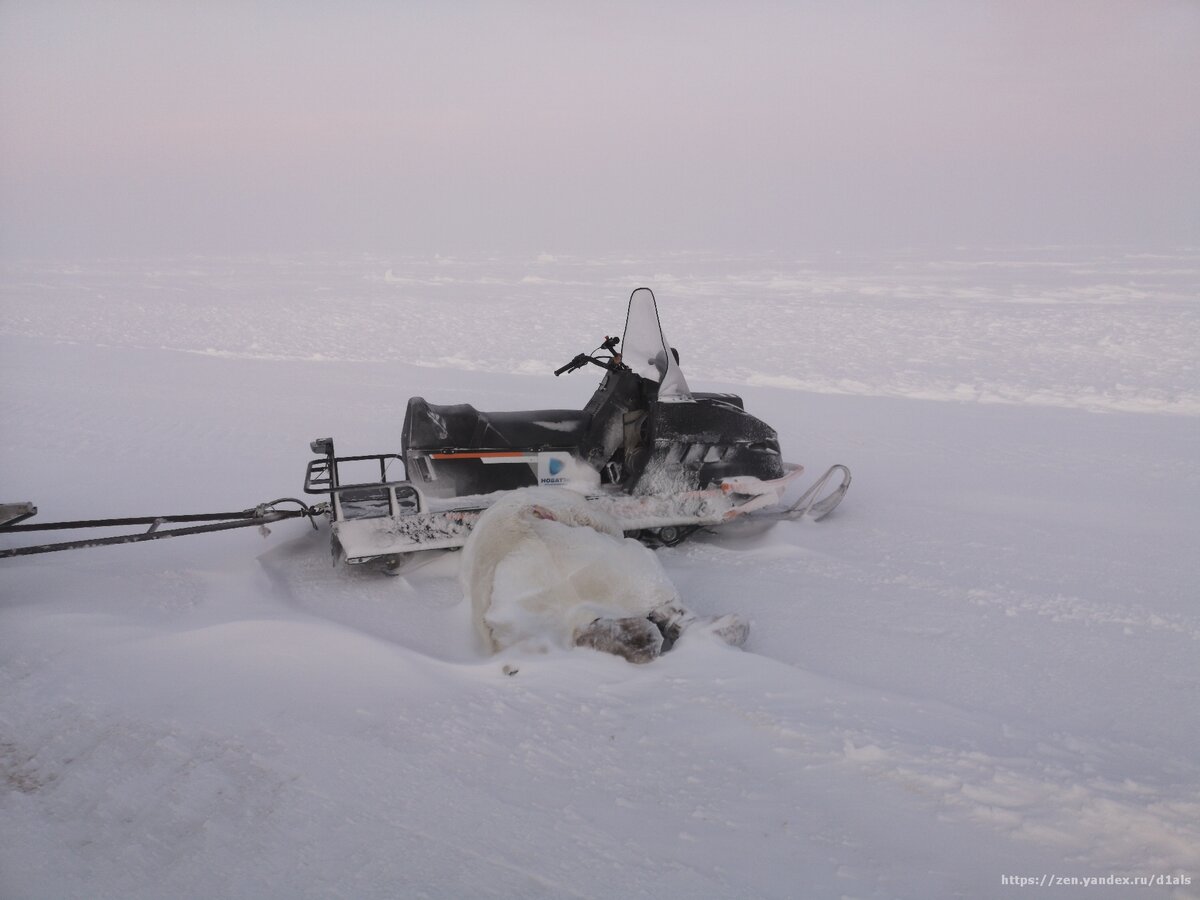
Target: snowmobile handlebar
x=578 y=362
x=582 y=359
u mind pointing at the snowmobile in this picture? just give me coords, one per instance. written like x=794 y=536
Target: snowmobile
x=662 y=459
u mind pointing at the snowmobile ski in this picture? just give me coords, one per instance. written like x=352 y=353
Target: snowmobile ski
x=812 y=504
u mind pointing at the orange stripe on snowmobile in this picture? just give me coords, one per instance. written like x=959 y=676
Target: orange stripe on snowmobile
x=490 y=455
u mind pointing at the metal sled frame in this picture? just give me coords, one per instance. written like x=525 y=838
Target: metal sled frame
x=259 y=516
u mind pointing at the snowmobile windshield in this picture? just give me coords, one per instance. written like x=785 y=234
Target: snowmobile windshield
x=646 y=351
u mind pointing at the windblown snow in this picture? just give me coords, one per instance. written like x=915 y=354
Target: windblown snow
x=983 y=669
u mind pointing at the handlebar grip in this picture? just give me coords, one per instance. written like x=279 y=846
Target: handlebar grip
x=579 y=360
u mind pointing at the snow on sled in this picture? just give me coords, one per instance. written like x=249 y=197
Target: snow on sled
x=661 y=459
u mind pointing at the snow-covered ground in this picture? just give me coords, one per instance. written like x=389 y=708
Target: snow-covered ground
x=985 y=666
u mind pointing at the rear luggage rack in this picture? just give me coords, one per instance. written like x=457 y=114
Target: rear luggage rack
x=363 y=499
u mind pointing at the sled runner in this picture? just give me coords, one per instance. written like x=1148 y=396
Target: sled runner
x=660 y=458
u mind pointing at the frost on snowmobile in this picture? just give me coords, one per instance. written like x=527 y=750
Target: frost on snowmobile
x=661 y=458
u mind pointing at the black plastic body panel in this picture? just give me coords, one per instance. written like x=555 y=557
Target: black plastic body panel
x=624 y=432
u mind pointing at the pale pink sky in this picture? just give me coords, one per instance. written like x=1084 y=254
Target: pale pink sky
x=147 y=127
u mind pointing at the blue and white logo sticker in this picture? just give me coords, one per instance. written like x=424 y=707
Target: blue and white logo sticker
x=552 y=468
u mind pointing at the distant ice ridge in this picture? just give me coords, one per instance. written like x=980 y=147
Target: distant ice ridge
x=1150 y=402
x=1094 y=330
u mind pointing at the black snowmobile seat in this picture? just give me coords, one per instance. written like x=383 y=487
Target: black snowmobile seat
x=460 y=425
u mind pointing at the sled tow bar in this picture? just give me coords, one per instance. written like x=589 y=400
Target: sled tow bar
x=260 y=516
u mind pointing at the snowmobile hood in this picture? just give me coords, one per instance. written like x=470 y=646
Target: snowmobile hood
x=646 y=351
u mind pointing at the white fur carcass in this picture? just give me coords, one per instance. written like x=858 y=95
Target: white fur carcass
x=544 y=569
